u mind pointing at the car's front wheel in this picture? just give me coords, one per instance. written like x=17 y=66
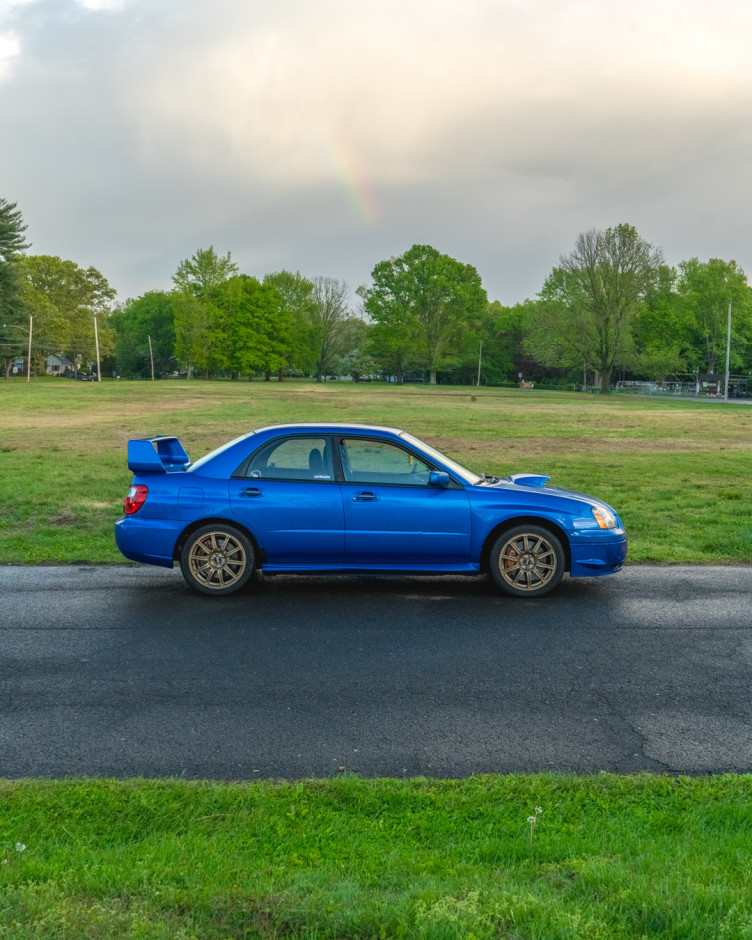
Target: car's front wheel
x=217 y=559
x=527 y=561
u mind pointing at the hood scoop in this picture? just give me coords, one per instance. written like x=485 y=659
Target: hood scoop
x=528 y=479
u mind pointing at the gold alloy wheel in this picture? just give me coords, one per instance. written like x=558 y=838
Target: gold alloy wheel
x=527 y=562
x=217 y=560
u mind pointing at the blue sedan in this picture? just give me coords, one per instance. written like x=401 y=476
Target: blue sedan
x=314 y=498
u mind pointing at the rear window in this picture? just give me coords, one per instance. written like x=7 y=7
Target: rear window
x=220 y=450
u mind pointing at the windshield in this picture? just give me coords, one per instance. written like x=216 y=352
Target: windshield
x=467 y=475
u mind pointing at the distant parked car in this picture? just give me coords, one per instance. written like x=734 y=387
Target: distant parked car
x=313 y=498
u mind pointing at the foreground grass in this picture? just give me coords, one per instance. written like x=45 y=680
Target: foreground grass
x=678 y=472
x=610 y=857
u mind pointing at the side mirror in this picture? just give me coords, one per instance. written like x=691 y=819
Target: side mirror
x=438 y=478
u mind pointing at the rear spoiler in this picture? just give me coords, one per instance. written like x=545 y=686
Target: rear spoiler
x=157 y=455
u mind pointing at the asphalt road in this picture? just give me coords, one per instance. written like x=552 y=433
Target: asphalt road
x=125 y=672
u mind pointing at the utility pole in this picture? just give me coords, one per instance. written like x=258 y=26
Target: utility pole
x=28 y=363
x=480 y=357
x=728 y=354
x=151 y=357
x=96 y=343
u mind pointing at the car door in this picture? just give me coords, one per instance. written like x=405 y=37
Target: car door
x=287 y=495
x=393 y=516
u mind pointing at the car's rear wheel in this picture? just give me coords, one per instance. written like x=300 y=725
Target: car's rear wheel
x=217 y=559
x=527 y=561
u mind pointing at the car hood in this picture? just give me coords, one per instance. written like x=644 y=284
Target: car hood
x=535 y=484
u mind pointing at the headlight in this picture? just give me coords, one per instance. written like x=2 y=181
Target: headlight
x=604 y=517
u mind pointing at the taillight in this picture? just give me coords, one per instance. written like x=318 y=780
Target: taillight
x=135 y=498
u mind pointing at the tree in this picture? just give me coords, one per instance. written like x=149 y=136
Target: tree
x=355 y=360
x=149 y=316
x=392 y=340
x=12 y=230
x=191 y=330
x=204 y=271
x=555 y=333
x=429 y=297
x=326 y=325
x=705 y=289
x=249 y=328
x=357 y=365
x=12 y=311
x=195 y=281
x=661 y=331
x=500 y=329
x=591 y=300
x=65 y=298
x=298 y=308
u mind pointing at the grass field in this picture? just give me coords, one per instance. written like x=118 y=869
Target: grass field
x=678 y=472
x=609 y=858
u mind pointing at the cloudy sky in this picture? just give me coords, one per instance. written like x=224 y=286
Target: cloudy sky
x=326 y=135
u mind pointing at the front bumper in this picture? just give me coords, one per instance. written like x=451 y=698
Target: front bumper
x=596 y=553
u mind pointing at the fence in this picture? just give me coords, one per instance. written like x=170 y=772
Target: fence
x=691 y=386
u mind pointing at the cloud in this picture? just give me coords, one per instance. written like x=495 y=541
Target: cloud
x=325 y=136
x=396 y=93
x=107 y=5
x=10 y=47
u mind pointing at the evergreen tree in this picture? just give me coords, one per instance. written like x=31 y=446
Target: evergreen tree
x=13 y=341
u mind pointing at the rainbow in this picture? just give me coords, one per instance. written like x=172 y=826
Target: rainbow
x=348 y=170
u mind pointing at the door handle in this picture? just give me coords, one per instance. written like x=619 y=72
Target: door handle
x=251 y=491
x=365 y=498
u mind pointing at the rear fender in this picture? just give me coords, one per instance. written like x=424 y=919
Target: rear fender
x=199 y=523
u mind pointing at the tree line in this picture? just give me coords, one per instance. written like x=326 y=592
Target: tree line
x=612 y=306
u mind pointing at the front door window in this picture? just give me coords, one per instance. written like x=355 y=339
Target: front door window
x=381 y=464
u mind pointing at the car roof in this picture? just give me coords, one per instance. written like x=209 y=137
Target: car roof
x=268 y=433
x=328 y=425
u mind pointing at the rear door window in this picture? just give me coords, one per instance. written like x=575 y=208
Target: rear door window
x=292 y=458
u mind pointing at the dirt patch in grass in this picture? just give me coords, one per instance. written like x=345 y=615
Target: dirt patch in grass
x=102 y=416
x=65 y=518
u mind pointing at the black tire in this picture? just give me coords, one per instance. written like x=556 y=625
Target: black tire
x=217 y=559
x=527 y=561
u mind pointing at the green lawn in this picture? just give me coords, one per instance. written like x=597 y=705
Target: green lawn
x=609 y=858
x=678 y=472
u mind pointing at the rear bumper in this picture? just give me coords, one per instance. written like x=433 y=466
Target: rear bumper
x=594 y=556
x=150 y=542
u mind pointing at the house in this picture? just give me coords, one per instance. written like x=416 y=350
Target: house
x=58 y=365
